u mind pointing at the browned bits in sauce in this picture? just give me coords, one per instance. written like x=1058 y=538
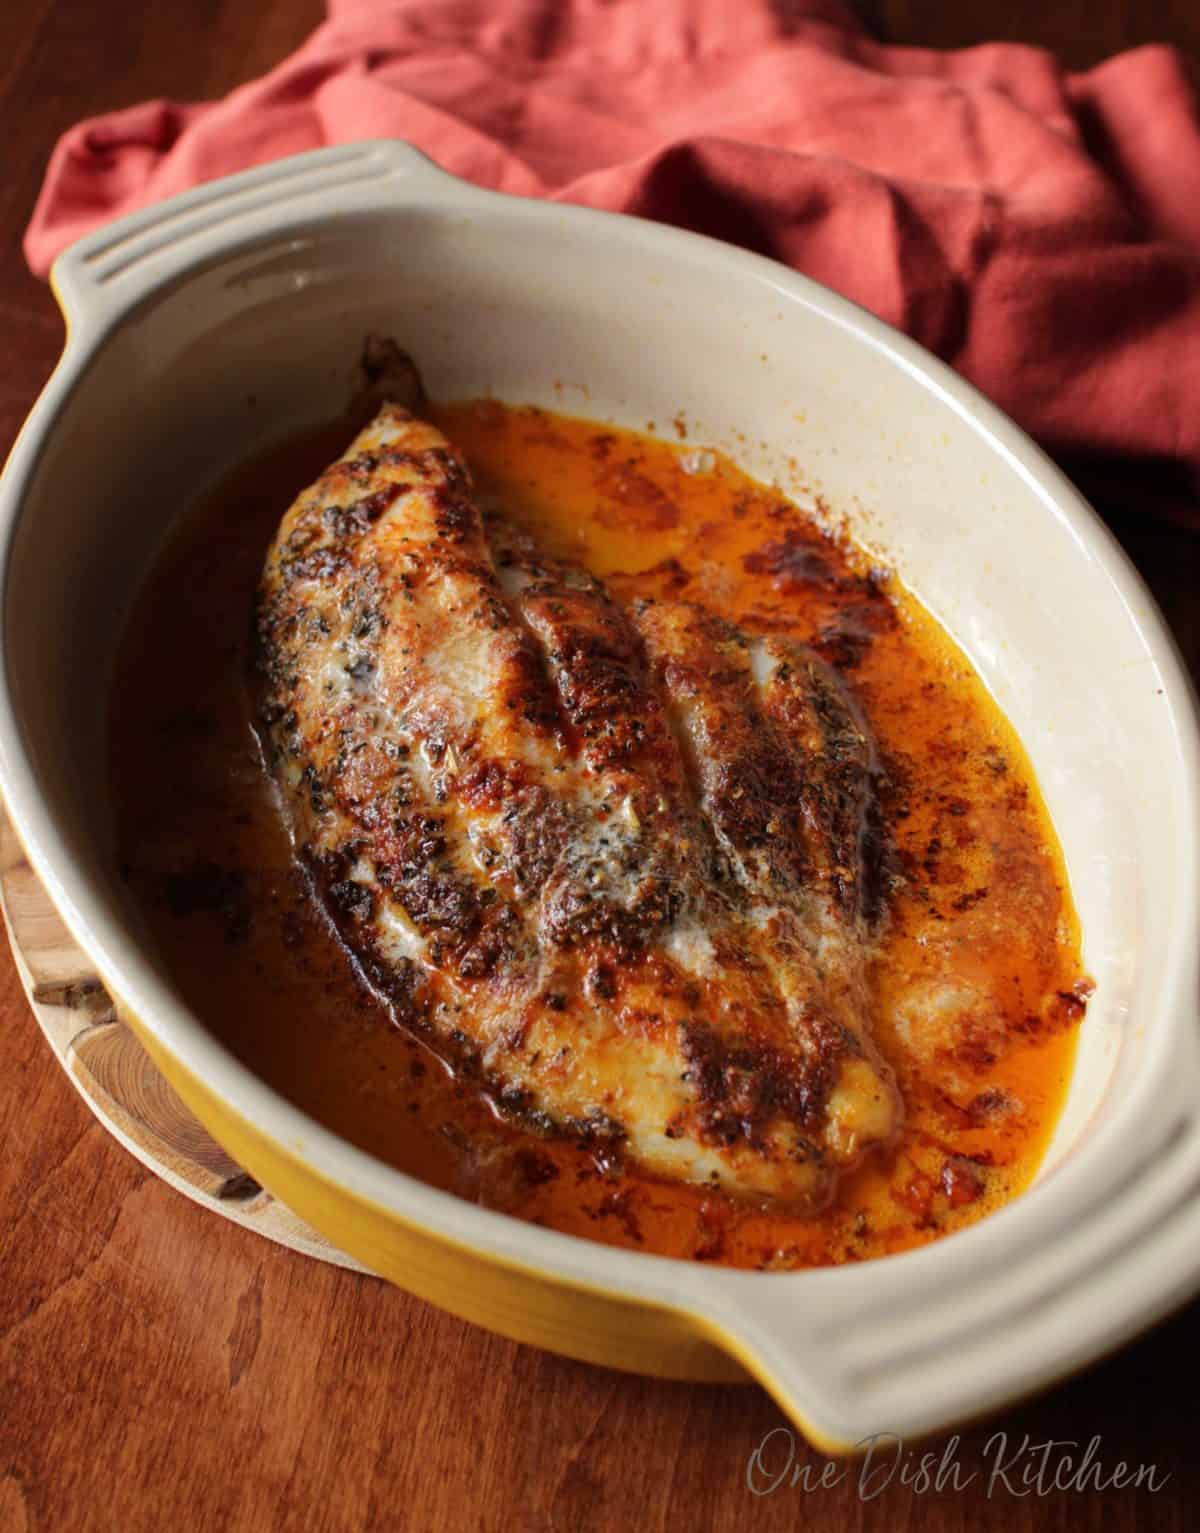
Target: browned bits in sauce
x=978 y=986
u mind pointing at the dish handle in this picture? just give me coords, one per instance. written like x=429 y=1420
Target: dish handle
x=897 y=1349
x=101 y=277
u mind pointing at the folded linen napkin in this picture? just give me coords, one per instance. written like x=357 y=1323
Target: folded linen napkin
x=1040 y=230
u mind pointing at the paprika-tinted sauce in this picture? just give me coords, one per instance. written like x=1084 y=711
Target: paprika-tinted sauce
x=978 y=984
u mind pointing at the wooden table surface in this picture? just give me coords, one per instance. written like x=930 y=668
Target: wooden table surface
x=162 y=1369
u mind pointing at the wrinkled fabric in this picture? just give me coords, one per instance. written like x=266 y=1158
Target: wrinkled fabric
x=1039 y=230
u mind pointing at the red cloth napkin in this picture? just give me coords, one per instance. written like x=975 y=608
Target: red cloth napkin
x=1039 y=230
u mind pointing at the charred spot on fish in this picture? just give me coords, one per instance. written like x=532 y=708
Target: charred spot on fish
x=353 y=520
x=323 y=564
x=601 y=982
x=352 y=900
x=316 y=789
x=746 y=1086
x=455 y=516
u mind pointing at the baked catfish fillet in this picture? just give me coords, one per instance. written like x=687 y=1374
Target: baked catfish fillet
x=623 y=861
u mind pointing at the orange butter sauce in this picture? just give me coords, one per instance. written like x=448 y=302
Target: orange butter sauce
x=977 y=983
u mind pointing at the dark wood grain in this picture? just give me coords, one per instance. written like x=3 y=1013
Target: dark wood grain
x=1080 y=32
x=161 y=1369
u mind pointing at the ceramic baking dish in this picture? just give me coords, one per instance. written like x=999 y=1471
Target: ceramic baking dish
x=202 y=328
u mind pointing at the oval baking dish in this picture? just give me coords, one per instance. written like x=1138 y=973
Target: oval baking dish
x=203 y=328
